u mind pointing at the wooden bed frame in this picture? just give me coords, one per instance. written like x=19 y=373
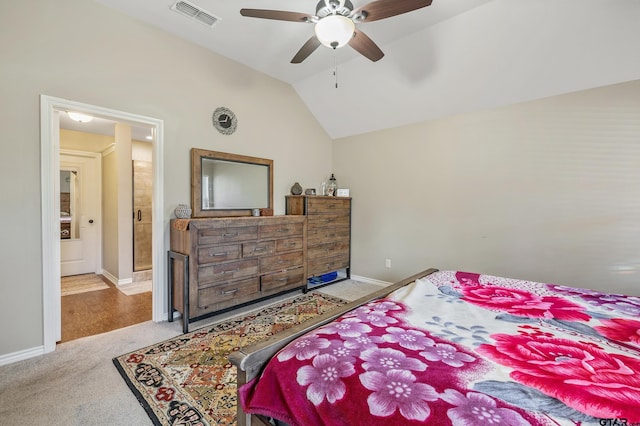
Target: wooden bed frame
x=251 y=360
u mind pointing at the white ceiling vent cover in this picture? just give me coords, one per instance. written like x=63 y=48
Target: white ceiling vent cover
x=195 y=12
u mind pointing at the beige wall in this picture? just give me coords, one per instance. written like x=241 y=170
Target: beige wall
x=547 y=190
x=82 y=51
x=141 y=151
x=81 y=141
x=125 y=203
x=110 y=222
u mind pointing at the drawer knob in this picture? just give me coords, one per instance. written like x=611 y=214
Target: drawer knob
x=225 y=293
x=212 y=254
x=230 y=271
x=259 y=249
x=229 y=234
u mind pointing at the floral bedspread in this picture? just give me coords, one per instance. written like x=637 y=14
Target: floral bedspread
x=463 y=349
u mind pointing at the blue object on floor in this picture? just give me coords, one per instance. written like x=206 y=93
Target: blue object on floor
x=324 y=278
x=330 y=276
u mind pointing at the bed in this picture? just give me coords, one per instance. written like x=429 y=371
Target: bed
x=452 y=347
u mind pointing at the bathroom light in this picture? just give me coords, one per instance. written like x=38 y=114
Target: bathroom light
x=80 y=118
x=335 y=30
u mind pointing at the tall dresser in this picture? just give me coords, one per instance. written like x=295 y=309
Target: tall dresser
x=219 y=263
x=328 y=235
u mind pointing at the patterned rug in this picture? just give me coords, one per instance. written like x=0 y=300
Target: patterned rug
x=188 y=380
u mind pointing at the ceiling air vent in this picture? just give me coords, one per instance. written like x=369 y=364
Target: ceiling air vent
x=195 y=12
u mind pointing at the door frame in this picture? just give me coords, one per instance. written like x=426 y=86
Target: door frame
x=50 y=183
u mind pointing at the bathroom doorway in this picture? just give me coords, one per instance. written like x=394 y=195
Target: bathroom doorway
x=51 y=110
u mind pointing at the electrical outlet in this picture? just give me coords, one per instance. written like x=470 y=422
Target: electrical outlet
x=387 y=263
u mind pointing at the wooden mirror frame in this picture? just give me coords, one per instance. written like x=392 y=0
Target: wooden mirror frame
x=196 y=181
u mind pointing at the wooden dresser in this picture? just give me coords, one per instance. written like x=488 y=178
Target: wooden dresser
x=219 y=263
x=328 y=234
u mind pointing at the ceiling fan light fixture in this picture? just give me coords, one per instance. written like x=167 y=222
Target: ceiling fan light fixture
x=335 y=30
x=79 y=117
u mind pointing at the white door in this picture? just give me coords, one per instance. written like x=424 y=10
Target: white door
x=80 y=215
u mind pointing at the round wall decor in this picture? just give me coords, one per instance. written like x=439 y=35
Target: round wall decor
x=224 y=120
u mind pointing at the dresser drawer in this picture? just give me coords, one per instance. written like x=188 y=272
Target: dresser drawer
x=218 y=253
x=258 y=248
x=227 y=291
x=335 y=248
x=321 y=235
x=280 y=262
x=278 y=230
x=327 y=220
x=283 y=280
x=326 y=264
x=289 y=244
x=229 y=234
x=327 y=205
x=227 y=271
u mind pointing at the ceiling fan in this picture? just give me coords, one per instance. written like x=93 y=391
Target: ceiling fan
x=335 y=23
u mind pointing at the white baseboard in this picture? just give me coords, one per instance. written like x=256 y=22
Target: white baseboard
x=115 y=281
x=370 y=281
x=21 y=355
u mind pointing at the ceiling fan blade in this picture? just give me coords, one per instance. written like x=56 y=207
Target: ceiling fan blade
x=381 y=9
x=307 y=49
x=278 y=15
x=365 y=46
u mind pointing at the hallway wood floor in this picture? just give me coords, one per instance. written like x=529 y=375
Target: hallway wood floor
x=99 y=311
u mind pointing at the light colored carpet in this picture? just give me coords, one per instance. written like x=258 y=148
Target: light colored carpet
x=77 y=384
x=194 y=369
x=75 y=284
x=135 y=287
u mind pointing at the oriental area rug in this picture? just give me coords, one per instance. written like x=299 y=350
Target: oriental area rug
x=188 y=380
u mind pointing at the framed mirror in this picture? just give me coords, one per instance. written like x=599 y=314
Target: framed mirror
x=224 y=184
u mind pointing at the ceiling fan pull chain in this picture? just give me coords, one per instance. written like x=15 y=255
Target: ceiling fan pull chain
x=335 y=69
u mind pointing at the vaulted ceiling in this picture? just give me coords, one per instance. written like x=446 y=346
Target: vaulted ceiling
x=451 y=57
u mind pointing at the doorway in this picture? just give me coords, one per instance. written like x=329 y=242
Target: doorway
x=50 y=186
